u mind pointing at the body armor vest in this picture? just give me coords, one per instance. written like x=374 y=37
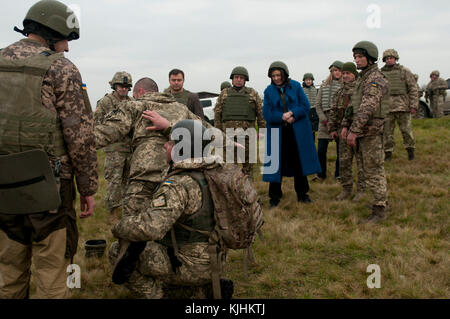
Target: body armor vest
x=237 y=106
x=397 y=85
x=311 y=93
x=25 y=124
x=328 y=93
x=202 y=220
x=381 y=111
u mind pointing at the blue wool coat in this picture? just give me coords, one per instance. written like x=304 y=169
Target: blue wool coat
x=297 y=102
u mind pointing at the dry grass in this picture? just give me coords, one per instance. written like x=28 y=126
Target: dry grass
x=319 y=250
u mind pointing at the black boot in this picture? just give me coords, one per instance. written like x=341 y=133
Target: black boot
x=304 y=198
x=126 y=265
x=410 y=153
x=387 y=156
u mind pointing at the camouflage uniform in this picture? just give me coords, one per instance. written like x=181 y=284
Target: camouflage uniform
x=436 y=92
x=189 y=99
x=367 y=124
x=64 y=94
x=400 y=108
x=311 y=94
x=341 y=101
x=256 y=102
x=158 y=269
x=148 y=159
x=117 y=156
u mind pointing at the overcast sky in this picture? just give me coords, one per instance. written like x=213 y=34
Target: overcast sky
x=207 y=39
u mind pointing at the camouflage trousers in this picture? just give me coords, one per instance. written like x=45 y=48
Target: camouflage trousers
x=116 y=173
x=242 y=156
x=346 y=155
x=155 y=276
x=370 y=150
x=138 y=197
x=404 y=123
x=437 y=106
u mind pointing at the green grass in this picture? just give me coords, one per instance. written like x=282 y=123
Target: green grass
x=320 y=250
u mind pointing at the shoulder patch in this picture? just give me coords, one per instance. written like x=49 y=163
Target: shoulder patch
x=160 y=201
x=167 y=183
x=374 y=84
x=83 y=86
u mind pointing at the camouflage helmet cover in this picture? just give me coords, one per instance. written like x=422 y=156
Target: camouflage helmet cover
x=278 y=65
x=435 y=72
x=123 y=78
x=337 y=64
x=239 y=70
x=308 y=76
x=55 y=16
x=390 y=52
x=369 y=49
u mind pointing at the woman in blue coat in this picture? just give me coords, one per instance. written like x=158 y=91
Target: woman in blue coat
x=286 y=110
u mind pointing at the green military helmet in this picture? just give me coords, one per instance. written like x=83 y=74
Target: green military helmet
x=337 y=64
x=350 y=67
x=308 y=76
x=390 y=52
x=55 y=16
x=191 y=133
x=123 y=78
x=225 y=85
x=435 y=72
x=278 y=65
x=239 y=70
x=369 y=49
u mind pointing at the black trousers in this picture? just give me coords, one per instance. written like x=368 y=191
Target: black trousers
x=322 y=149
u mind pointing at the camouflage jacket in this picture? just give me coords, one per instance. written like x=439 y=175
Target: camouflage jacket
x=107 y=104
x=177 y=198
x=62 y=93
x=341 y=101
x=436 y=88
x=255 y=101
x=189 y=99
x=148 y=159
x=374 y=87
x=405 y=102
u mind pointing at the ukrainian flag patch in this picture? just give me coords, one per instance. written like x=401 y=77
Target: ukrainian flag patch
x=83 y=86
x=168 y=183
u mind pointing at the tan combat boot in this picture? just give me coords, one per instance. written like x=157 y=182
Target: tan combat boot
x=378 y=213
x=345 y=193
x=114 y=216
x=359 y=195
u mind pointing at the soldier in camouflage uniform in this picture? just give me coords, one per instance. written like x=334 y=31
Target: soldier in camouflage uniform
x=311 y=92
x=57 y=96
x=341 y=101
x=370 y=104
x=436 y=91
x=162 y=256
x=116 y=155
x=403 y=101
x=239 y=107
x=419 y=89
x=191 y=100
x=225 y=85
x=323 y=106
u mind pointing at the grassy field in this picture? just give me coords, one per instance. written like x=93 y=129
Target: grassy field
x=319 y=250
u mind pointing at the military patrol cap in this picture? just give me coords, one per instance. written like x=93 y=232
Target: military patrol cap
x=350 y=67
x=390 y=52
x=366 y=48
x=239 y=70
x=193 y=131
x=225 y=85
x=308 y=76
x=123 y=78
x=336 y=64
x=55 y=16
x=278 y=65
x=435 y=72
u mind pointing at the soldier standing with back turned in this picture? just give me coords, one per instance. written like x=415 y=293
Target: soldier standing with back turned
x=436 y=93
x=117 y=155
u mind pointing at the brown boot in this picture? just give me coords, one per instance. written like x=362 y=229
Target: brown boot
x=114 y=216
x=359 y=195
x=345 y=193
x=378 y=213
x=410 y=153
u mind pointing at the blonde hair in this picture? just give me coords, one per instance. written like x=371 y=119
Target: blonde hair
x=330 y=76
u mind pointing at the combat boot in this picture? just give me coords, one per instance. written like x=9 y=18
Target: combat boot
x=378 y=213
x=410 y=153
x=359 y=195
x=345 y=193
x=387 y=156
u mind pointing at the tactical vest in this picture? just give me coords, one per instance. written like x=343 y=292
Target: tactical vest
x=122 y=147
x=25 y=124
x=202 y=220
x=397 y=85
x=311 y=93
x=381 y=111
x=237 y=106
x=328 y=93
